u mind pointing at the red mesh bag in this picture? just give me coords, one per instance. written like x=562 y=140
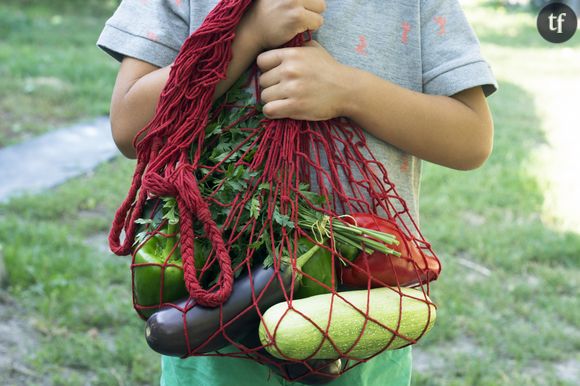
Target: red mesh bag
x=279 y=241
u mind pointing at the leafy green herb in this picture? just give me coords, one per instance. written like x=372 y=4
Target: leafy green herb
x=282 y=219
x=255 y=208
x=170 y=210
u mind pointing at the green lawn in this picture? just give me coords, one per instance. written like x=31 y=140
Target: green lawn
x=50 y=72
x=508 y=295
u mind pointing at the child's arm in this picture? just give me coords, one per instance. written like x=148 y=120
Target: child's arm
x=455 y=131
x=139 y=84
x=308 y=83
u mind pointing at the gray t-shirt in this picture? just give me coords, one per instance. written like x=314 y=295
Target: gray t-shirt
x=423 y=45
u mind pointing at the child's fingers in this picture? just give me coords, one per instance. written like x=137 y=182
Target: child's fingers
x=311 y=20
x=278 y=109
x=270 y=59
x=317 y=6
x=274 y=93
x=270 y=78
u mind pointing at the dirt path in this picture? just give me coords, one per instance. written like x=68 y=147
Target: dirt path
x=17 y=342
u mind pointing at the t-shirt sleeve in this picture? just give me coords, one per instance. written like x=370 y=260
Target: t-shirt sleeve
x=149 y=30
x=451 y=56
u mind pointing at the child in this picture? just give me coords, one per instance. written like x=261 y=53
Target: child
x=409 y=72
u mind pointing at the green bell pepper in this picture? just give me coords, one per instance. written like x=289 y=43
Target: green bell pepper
x=319 y=267
x=153 y=266
x=158 y=267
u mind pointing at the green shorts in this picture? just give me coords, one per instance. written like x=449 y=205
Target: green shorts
x=391 y=368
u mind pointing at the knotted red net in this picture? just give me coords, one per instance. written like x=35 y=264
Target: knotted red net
x=280 y=241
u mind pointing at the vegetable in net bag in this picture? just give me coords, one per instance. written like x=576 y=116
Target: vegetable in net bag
x=279 y=241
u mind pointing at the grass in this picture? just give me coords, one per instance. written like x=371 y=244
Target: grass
x=517 y=315
x=508 y=307
x=78 y=294
x=514 y=321
x=50 y=72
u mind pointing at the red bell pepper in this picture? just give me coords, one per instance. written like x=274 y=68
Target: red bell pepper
x=411 y=268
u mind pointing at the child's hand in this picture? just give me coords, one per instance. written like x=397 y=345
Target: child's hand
x=275 y=22
x=304 y=83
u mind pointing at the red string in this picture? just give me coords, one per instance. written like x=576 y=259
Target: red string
x=162 y=153
x=331 y=155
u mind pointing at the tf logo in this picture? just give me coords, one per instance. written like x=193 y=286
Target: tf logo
x=557 y=23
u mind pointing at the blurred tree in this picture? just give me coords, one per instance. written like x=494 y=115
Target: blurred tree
x=538 y=4
x=574 y=4
x=99 y=6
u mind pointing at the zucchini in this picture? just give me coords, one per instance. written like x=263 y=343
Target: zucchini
x=287 y=334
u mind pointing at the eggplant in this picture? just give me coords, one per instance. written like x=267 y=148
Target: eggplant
x=318 y=371
x=186 y=328
x=165 y=330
